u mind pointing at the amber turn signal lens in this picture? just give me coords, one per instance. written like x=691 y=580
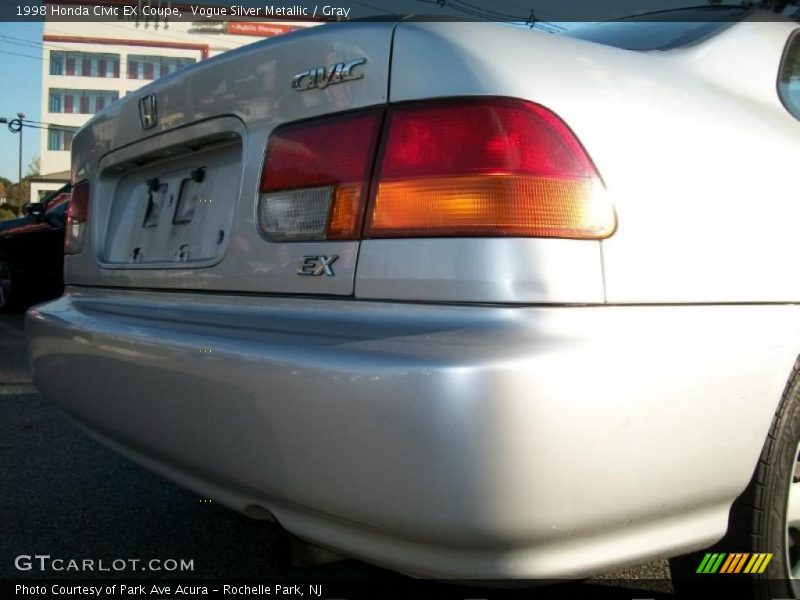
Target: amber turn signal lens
x=344 y=222
x=493 y=205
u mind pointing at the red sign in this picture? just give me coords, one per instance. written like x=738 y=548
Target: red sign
x=259 y=29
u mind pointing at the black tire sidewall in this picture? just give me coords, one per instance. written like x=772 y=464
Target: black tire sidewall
x=758 y=517
x=775 y=470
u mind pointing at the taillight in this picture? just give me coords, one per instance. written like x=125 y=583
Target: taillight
x=485 y=167
x=315 y=180
x=77 y=218
x=465 y=167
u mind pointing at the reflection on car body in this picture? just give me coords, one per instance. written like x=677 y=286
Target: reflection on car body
x=526 y=312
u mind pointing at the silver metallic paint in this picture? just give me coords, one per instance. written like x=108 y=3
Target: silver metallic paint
x=696 y=151
x=465 y=441
x=442 y=437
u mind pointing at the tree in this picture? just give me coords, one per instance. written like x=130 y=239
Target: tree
x=18 y=195
x=33 y=167
x=7 y=192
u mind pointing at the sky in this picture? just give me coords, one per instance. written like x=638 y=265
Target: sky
x=20 y=84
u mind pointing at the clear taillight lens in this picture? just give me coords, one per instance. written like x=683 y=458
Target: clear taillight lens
x=315 y=180
x=77 y=218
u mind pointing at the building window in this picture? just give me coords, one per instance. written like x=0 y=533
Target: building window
x=55 y=102
x=56 y=63
x=59 y=139
x=152 y=67
x=84 y=64
x=86 y=102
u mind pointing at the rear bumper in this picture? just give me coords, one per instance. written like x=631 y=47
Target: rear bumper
x=443 y=441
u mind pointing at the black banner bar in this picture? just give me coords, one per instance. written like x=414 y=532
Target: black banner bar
x=525 y=13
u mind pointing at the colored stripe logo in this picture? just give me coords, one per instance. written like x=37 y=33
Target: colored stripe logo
x=736 y=562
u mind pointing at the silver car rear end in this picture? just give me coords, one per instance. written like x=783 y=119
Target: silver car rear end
x=454 y=407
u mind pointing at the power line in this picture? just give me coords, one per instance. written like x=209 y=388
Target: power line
x=492 y=15
x=23 y=42
x=23 y=55
x=514 y=5
x=550 y=16
x=508 y=17
x=50 y=124
x=160 y=34
x=123 y=66
x=8 y=40
x=52 y=128
x=484 y=11
x=383 y=10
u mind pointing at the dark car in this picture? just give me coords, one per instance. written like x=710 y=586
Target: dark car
x=32 y=252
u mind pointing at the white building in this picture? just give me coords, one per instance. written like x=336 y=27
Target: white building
x=87 y=65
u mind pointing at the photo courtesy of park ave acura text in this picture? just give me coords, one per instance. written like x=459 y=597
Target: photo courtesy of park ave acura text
x=400 y=299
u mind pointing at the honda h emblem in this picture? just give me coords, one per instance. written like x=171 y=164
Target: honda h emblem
x=148 y=112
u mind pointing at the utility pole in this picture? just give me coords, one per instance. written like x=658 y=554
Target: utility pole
x=15 y=126
x=19 y=118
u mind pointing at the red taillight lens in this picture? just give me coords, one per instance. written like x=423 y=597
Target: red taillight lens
x=315 y=179
x=485 y=167
x=480 y=137
x=77 y=218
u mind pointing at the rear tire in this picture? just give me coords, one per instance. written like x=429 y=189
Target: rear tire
x=764 y=518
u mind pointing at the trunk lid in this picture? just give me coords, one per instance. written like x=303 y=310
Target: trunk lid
x=174 y=167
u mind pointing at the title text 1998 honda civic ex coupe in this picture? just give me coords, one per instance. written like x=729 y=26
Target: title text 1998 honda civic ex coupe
x=461 y=299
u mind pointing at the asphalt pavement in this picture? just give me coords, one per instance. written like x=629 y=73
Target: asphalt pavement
x=64 y=495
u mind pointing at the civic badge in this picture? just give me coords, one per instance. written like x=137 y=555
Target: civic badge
x=322 y=77
x=148 y=111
